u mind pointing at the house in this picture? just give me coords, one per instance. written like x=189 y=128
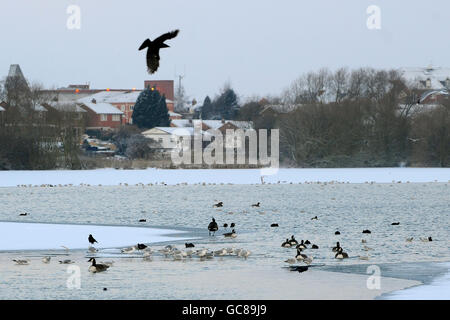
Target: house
x=169 y=138
x=427 y=78
x=220 y=125
x=101 y=115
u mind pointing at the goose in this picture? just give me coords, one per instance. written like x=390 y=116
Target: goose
x=366 y=231
x=91 y=239
x=314 y=218
x=142 y=220
x=409 y=239
x=255 y=205
x=274 y=225
x=426 y=239
x=231 y=234
x=97 y=267
x=307 y=242
x=213 y=227
x=292 y=241
x=67 y=261
x=301 y=245
x=225 y=225
x=232 y=225
x=286 y=244
x=300 y=256
x=337 y=233
x=189 y=245
x=23 y=214
x=395 y=223
x=341 y=254
x=338 y=246
x=218 y=205
x=22 y=262
x=128 y=250
x=314 y=246
x=46 y=259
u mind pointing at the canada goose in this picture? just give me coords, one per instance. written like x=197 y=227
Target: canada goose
x=274 y=225
x=341 y=254
x=128 y=250
x=46 y=259
x=314 y=246
x=67 y=261
x=97 y=267
x=426 y=239
x=213 y=227
x=338 y=246
x=395 y=223
x=255 y=205
x=366 y=231
x=292 y=241
x=314 y=218
x=298 y=268
x=301 y=245
x=286 y=244
x=337 y=233
x=91 y=239
x=225 y=225
x=141 y=246
x=300 y=256
x=231 y=234
x=409 y=239
x=232 y=225
x=218 y=205
x=189 y=245
x=22 y=262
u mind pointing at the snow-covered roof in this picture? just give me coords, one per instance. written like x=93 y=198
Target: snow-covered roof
x=174 y=114
x=434 y=93
x=40 y=108
x=102 y=108
x=436 y=75
x=115 y=97
x=186 y=131
x=213 y=124
x=2 y=109
x=67 y=106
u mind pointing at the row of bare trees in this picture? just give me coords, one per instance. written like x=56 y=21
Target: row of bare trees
x=356 y=118
x=32 y=137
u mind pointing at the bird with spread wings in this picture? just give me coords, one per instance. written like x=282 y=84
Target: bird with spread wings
x=153 y=49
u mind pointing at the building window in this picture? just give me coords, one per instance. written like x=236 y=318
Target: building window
x=160 y=140
x=116 y=117
x=103 y=117
x=131 y=107
x=122 y=107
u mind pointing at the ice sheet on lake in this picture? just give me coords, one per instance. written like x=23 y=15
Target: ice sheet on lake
x=235 y=176
x=42 y=236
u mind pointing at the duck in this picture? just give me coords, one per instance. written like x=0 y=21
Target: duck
x=213 y=227
x=23 y=214
x=141 y=246
x=341 y=254
x=307 y=242
x=225 y=225
x=142 y=220
x=337 y=233
x=22 y=262
x=232 y=225
x=218 y=205
x=338 y=246
x=314 y=246
x=301 y=245
x=97 y=267
x=231 y=234
x=395 y=223
x=255 y=205
x=274 y=225
x=46 y=259
x=67 y=261
x=286 y=244
x=292 y=241
x=314 y=218
x=366 y=231
x=189 y=245
x=91 y=239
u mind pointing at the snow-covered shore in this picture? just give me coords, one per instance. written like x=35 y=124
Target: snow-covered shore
x=234 y=176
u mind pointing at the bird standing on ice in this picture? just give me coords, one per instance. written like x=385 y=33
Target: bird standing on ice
x=213 y=226
x=153 y=49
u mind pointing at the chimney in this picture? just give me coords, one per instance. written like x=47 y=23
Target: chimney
x=93 y=100
x=223 y=120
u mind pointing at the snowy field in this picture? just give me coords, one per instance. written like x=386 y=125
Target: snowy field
x=232 y=176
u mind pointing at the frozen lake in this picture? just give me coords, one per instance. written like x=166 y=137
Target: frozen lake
x=421 y=208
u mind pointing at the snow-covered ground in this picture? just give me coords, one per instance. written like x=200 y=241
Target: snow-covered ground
x=44 y=236
x=235 y=176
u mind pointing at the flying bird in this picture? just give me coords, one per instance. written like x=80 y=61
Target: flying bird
x=153 y=49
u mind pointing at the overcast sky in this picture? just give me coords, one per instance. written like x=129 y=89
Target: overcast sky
x=258 y=46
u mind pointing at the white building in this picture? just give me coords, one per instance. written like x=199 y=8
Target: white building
x=427 y=78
